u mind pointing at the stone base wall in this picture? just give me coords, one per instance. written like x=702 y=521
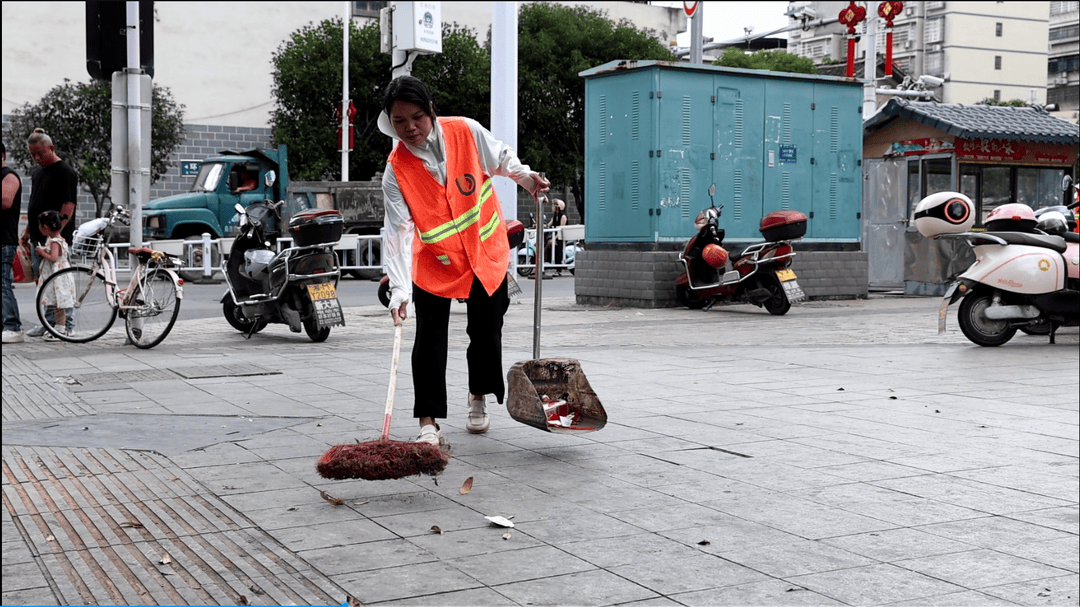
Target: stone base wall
x=646 y=279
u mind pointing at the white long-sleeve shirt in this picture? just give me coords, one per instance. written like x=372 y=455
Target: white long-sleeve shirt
x=496 y=159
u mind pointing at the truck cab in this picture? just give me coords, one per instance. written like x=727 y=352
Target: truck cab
x=223 y=181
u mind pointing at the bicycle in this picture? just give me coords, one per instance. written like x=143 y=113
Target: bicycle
x=149 y=305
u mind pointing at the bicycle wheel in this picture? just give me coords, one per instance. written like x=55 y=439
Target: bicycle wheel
x=90 y=318
x=157 y=307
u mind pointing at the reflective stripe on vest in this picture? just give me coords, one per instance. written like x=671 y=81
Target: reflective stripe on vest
x=459 y=224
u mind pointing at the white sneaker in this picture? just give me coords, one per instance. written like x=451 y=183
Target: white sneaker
x=479 y=422
x=431 y=434
x=37 y=331
x=13 y=337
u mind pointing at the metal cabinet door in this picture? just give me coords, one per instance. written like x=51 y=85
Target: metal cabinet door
x=789 y=148
x=685 y=142
x=738 y=135
x=619 y=135
x=837 y=193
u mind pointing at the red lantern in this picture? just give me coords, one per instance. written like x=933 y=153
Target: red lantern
x=889 y=11
x=851 y=16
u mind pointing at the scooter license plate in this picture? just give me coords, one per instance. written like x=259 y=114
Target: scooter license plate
x=785 y=275
x=794 y=292
x=327 y=308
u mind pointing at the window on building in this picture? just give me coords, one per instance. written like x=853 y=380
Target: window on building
x=1060 y=8
x=997 y=94
x=1056 y=65
x=991 y=186
x=935 y=30
x=1065 y=33
x=934 y=64
x=997 y=30
x=367 y=9
x=997 y=62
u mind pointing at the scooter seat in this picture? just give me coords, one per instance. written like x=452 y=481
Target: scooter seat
x=1055 y=243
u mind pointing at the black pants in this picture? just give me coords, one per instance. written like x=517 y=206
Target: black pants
x=484 y=355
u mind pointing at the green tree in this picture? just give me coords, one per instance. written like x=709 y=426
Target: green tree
x=998 y=102
x=78 y=118
x=460 y=76
x=772 y=60
x=555 y=43
x=307 y=89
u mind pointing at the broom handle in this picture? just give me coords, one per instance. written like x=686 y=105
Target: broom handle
x=393 y=383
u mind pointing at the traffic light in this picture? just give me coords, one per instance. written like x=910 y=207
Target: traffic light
x=106 y=38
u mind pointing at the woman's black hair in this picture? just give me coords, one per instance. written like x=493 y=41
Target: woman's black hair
x=49 y=219
x=411 y=89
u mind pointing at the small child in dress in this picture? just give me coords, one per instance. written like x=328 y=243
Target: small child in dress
x=59 y=298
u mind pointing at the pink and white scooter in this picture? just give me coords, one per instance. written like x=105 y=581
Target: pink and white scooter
x=1026 y=274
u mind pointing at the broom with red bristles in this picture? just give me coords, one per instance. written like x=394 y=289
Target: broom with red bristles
x=382 y=459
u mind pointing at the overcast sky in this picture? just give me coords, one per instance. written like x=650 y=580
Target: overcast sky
x=726 y=20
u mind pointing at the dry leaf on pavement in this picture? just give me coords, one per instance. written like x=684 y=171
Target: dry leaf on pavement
x=436 y=529
x=466 y=486
x=333 y=500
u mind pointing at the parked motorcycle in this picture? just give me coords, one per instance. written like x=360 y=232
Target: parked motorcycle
x=296 y=286
x=1026 y=274
x=526 y=253
x=759 y=274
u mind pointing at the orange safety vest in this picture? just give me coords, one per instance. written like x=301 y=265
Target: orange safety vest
x=460 y=231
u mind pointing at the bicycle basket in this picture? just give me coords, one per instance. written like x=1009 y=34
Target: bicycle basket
x=85 y=246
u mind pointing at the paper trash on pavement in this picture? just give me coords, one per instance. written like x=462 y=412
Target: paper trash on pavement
x=500 y=521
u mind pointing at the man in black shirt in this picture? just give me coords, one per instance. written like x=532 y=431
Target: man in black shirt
x=53 y=187
x=9 y=227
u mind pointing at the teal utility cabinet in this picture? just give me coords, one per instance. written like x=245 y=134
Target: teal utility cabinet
x=658 y=134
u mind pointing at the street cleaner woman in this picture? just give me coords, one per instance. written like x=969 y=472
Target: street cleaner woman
x=446 y=240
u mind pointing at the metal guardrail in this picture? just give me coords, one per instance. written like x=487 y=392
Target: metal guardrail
x=210 y=254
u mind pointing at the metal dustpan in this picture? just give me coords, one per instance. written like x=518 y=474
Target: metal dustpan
x=558 y=379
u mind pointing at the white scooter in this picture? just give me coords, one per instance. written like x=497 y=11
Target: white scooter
x=1026 y=273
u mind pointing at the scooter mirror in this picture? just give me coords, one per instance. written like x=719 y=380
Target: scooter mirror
x=712 y=190
x=270 y=178
x=1066 y=183
x=239 y=208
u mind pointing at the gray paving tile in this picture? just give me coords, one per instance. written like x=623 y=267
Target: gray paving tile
x=994 y=532
x=1063 y=590
x=366 y=556
x=894 y=544
x=627 y=550
x=1063 y=553
x=874 y=585
x=769 y=593
x=424 y=580
x=585 y=589
x=979 y=569
x=331 y=535
x=528 y=563
x=669 y=576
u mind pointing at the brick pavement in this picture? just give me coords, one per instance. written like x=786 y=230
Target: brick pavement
x=842 y=454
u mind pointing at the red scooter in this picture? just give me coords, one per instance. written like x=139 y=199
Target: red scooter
x=759 y=274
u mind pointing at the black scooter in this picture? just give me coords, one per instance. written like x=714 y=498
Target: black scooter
x=296 y=286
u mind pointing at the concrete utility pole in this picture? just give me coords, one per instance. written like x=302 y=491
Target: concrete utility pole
x=504 y=93
x=870 y=61
x=696 y=32
x=346 y=21
x=138 y=192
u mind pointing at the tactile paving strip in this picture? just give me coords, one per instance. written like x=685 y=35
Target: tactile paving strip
x=118 y=527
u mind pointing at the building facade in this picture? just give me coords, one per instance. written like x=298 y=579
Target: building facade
x=996 y=50
x=1063 y=69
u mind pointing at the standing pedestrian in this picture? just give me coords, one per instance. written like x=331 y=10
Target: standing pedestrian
x=53 y=187
x=553 y=248
x=59 y=298
x=437 y=184
x=9 y=227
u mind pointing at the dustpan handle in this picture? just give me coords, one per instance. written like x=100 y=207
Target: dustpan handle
x=393 y=383
x=539 y=250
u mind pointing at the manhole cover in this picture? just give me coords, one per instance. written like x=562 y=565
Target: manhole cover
x=238 y=370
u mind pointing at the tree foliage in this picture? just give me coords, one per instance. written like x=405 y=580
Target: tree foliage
x=998 y=102
x=771 y=60
x=78 y=118
x=307 y=88
x=555 y=44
